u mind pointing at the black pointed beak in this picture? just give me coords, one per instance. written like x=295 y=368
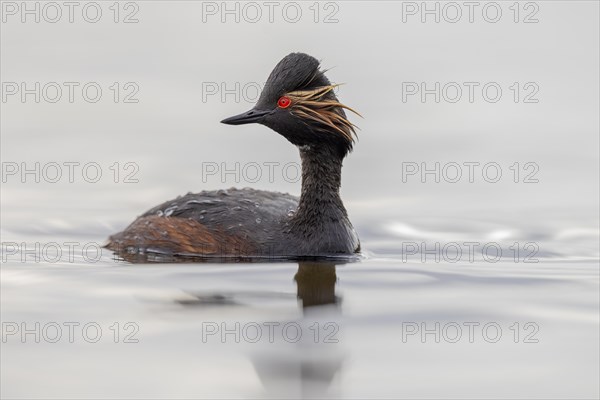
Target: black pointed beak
x=247 y=117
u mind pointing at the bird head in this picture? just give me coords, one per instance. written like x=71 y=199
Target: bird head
x=299 y=103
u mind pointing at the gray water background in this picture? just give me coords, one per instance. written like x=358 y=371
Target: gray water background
x=173 y=134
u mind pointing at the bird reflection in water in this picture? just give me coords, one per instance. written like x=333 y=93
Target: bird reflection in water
x=303 y=369
x=316 y=284
x=307 y=368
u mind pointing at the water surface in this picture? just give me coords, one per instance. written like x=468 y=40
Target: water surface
x=467 y=289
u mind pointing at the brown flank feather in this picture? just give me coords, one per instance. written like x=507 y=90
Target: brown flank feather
x=178 y=236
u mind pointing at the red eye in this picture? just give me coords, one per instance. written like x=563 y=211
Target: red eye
x=284 y=102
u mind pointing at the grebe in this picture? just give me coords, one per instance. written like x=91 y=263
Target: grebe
x=297 y=102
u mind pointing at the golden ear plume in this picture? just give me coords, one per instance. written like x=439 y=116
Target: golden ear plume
x=310 y=104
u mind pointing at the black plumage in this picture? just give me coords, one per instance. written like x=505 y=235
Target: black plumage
x=299 y=103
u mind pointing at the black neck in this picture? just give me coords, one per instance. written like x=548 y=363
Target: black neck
x=321 y=180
